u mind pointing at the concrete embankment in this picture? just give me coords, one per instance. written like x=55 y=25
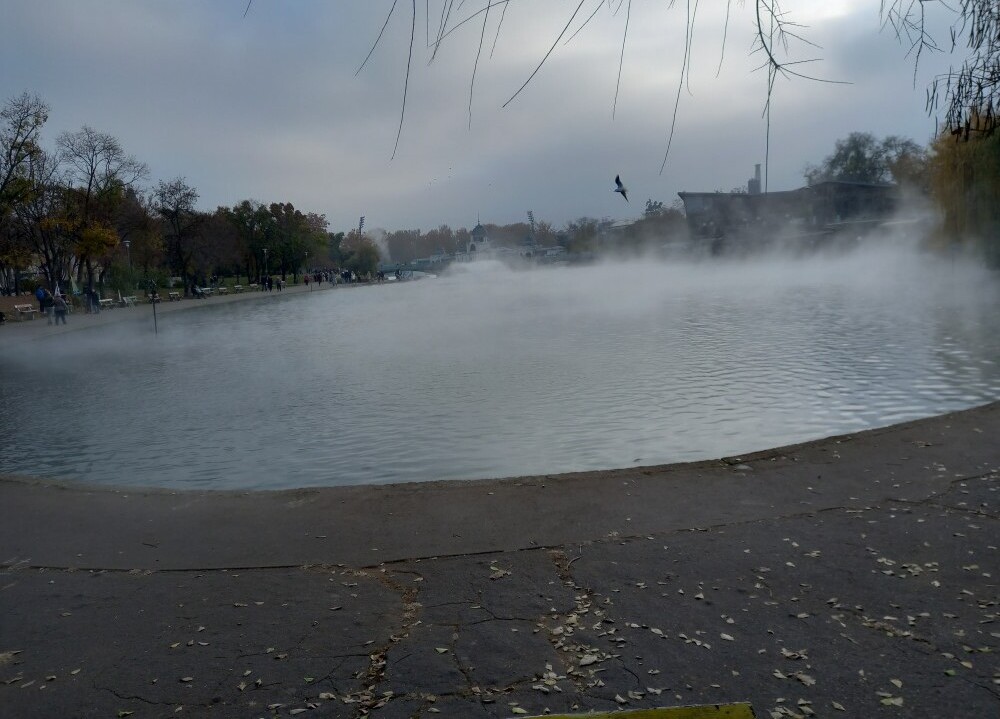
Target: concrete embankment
x=853 y=576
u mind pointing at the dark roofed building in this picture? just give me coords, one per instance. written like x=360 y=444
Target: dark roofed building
x=749 y=219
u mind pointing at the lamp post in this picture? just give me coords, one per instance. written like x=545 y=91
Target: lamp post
x=151 y=289
x=128 y=254
x=265 y=261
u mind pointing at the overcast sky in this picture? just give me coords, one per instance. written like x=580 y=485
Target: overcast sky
x=268 y=106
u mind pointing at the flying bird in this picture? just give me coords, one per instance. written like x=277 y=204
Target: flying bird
x=620 y=187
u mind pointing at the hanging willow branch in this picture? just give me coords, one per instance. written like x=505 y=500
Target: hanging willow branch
x=971 y=94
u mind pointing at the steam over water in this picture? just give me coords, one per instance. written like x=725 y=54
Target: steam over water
x=491 y=373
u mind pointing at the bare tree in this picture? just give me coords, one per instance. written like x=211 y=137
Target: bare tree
x=98 y=172
x=97 y=165
x=175 y=201
x=41 y=217
x=21 y=121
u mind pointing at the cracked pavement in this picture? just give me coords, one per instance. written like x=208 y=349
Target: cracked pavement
x=855 y=576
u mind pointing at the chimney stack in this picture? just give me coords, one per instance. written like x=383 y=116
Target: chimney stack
x=753 y=185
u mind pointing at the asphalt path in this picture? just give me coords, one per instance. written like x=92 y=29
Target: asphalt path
x=856 y=576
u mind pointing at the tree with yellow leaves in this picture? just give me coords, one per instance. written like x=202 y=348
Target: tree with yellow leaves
x=964 y=177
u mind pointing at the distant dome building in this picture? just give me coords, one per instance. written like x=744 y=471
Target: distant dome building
x=479 y=241
x=477 y=247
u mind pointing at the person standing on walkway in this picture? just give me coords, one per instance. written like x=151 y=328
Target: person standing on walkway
x=40 y=296
x=60 y=307
x=47 y=305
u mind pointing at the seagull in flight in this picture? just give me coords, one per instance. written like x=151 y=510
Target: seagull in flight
x=620 y=187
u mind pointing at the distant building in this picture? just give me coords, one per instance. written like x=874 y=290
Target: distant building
x=479 y=241
x=477 y=247
x=729 y=220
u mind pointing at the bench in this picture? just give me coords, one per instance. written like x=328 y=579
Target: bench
x=254 y=287
x=129 y=301
x=174 y=296
x=237 y=288
x=108 y=304
x=25 y=310
x=223 y=290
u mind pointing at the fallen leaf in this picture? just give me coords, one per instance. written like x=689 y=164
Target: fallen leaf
x=497 y=572
x=805 y=679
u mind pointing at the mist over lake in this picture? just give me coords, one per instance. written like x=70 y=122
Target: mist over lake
x=487 y=372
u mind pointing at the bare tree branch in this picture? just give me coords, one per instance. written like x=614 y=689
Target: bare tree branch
x=475 y=65
x=546 y=54
x=621 y=59
x=380 y=33
x=406 y=83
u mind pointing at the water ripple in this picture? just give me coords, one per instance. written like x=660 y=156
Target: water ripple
x=504 y=374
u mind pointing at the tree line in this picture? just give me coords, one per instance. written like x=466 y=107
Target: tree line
x=78 y=213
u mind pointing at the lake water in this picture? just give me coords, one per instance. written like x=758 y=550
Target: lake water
x=491 y=373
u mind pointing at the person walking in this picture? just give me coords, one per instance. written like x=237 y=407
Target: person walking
x=60 y=307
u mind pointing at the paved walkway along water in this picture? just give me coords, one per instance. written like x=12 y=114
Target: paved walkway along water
x=14 y=331
x=855 y=576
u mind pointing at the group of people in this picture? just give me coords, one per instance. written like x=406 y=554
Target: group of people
x=268 y=283
x=54 y=306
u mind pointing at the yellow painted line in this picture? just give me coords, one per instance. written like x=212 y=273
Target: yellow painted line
x=713 y=711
